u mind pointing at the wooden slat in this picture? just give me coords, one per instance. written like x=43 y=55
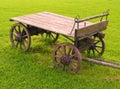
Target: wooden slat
x=59 y=16
x=42 y=25
x=52 y=22
x=52 y=18
x=49 y=20
x=49 y=17
x=88 y=30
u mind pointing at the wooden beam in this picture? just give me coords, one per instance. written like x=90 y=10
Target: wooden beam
x=93 y=17
x=102 y=63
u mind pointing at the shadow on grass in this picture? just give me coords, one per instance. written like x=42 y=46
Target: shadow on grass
x=45 y=46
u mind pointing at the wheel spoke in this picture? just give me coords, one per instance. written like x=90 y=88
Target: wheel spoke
x=98 y=46
x=59 y=66
x=56 y=56
x=88 y=51
x=63 y=67
x=25 y=36
x=60 y=51
x=13 y=39
x=73 y=55
x=97 y=42
x=69 y=51
x=25 y=41
x=50 y=35
x=93 y=51
x=14 y=34
x=74 y=61
x=16 y=30
x=64 y=49
x=42 y=34
x=97 y=50
x=46 y=36
x=57 y=63
x=23 y=44
x=20 y=45
x=17 y=44
x=72 y=66
x=19 y=29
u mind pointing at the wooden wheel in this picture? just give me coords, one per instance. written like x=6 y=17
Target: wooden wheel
x=50 y=35
x=20 y=37
x=67 y=55
x=98 y=46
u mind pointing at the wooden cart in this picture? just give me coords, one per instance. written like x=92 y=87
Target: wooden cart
x=85 y=36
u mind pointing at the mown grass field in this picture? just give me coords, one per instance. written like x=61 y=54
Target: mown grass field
x=34 y=69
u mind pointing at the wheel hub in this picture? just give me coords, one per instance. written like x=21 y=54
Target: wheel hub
x=92 y=46
x=65 y=60
x=18 y=38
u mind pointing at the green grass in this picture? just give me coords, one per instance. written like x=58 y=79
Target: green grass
x=34 y=69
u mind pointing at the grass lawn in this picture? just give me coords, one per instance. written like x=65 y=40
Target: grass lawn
x=34 y=69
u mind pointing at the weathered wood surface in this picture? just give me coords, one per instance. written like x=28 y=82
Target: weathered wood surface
x=92 y=29
x=104 y=63
x=94 y=17
x=52 y=22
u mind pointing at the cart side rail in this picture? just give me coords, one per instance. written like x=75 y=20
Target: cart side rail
x=96 y=16
x=92 y=29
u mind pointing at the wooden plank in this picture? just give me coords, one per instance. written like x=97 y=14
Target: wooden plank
x=86 y=31
x=66 y=20
x=113 y=65
x=43 y=26
x=40 y=24
x=59 y=16
x=51 y=22
x=52 y=17
x=56 y=19
x=47 y=25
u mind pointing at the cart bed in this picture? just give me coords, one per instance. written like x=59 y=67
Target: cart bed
x=51 y=22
